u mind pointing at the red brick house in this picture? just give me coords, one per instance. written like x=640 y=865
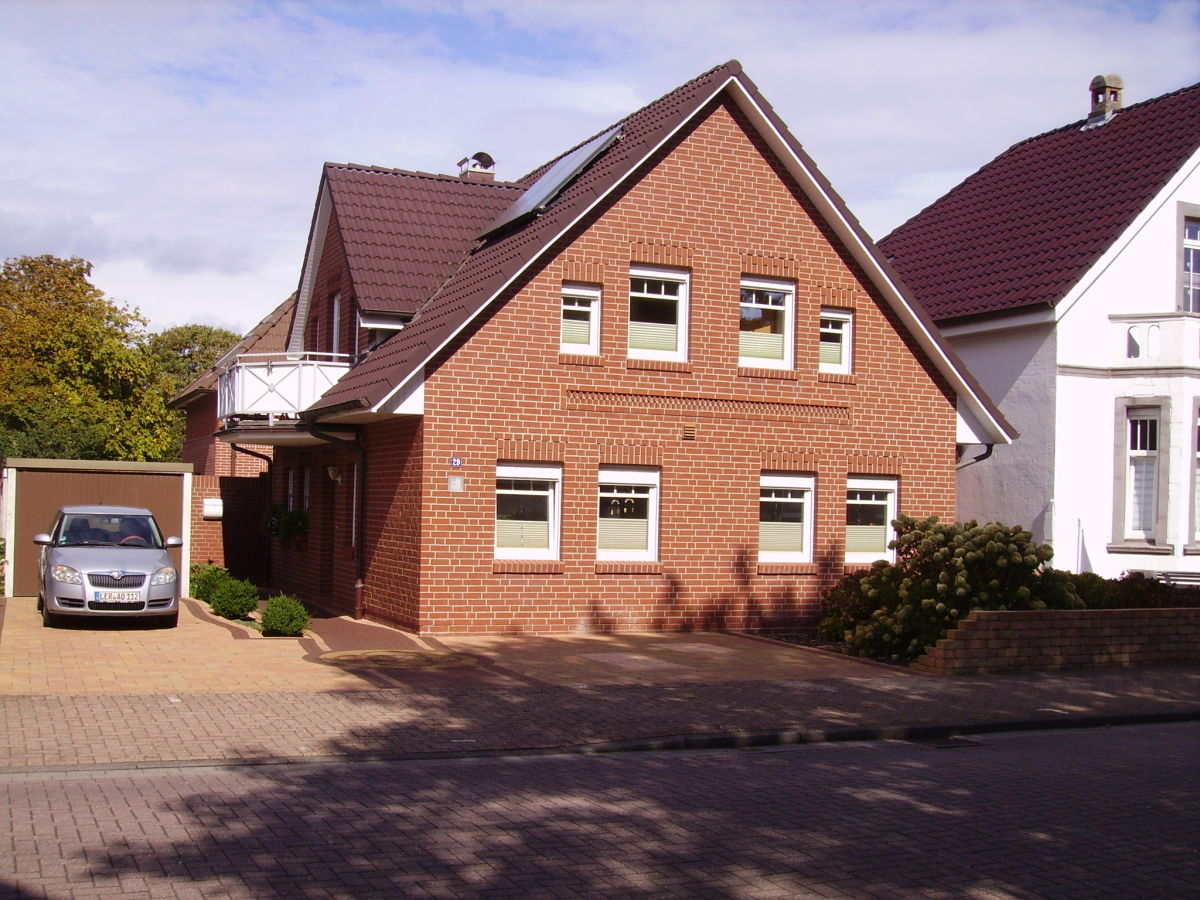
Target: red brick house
x=664 y=381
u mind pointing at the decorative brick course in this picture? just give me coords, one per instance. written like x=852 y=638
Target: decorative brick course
x=1027 y=641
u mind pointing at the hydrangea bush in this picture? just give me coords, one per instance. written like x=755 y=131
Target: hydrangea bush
x=896 y=610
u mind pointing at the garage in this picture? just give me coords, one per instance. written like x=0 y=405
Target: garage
x=32 y=489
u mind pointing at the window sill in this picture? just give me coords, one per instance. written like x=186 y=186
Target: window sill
x=784 y=568
x=659 y=365
x=1141 y=547
x=579 y=359
x=617 y=567
x=755 y=372
x=527 y=567
x=1191 y=550
x=836 y=377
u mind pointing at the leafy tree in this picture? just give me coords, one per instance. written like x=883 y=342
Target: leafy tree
x=75 y=378
x=183 y=352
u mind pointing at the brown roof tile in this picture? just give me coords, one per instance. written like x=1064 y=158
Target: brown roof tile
x=405 y=233
x=1026 y=227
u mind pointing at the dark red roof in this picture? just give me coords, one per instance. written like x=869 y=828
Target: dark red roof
x=405 y=233
x=1025 y=228
x=486 y=266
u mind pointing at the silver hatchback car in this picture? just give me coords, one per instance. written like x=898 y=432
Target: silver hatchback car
x=107 y=561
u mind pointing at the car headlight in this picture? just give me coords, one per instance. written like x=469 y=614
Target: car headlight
x=165 y=575
x=66 y=575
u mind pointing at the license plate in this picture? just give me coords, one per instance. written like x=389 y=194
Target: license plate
x=118 y=596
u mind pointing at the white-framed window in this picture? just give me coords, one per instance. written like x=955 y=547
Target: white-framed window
x=290 y=495
x=579 y=331
x=335 y=317
x=1191 y=265
x=1141 y=483
x=658 y=313
x=836 y=340
x=765 y=325
x=528 y=510
x=870 y=509
x=785 y=517
x=627 y=516
x=1196 y=482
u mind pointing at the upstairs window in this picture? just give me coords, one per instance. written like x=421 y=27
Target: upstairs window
x=785 y=518
x=528 y=510
x=870 y=509
x=836 y=335
x=580 y=328
x=627 y=516
x=1191 y=265
x=765 y=336
x=658 y=314
x=1141 y=501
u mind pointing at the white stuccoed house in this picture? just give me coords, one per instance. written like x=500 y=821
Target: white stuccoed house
x=1066 y=275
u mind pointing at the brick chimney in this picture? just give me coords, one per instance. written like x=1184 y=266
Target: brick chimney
x=479 y=167
x=1106 y=96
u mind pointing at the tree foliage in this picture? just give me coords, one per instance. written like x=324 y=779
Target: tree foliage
x=76 y=379
x=183 y=352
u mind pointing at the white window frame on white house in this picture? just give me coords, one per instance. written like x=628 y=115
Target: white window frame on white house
x=649 y=339
x=785 y=517
x=880 y=494
x=619 y=488
x=580 y=318
x=835 y=355
x=1143 y=454
x=761 y=301
x=1189 y=273
x=529 y=538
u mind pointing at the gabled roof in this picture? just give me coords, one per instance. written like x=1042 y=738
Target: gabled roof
x=268 y=336
x=1021 y=231
x=492 y=261
x=406 y=232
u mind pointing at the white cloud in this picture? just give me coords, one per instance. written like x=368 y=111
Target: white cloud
x=178 y=145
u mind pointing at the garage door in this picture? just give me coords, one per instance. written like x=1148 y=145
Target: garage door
x=39 y=492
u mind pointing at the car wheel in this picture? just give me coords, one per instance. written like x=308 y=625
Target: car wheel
x=169 y=621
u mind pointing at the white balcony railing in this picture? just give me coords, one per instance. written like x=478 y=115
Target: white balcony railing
x=1145 y=340
x=277 y=384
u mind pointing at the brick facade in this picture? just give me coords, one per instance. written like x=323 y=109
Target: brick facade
x=716 y=204
x=234 y=541
x=1024 y=641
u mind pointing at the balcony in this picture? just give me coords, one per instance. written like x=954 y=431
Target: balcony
x=1156 y=340
x=274 y=387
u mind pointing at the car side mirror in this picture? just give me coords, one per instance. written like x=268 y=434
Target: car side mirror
x=174 y=542
x=42 y=540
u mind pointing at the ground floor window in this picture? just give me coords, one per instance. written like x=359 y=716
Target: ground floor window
x=785 y=517
x=627 y=517
x=870 y=509
x=528 y=509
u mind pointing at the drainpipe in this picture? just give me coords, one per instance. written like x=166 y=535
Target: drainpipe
x=359 y=554
x=270 y=490
x=988 y=448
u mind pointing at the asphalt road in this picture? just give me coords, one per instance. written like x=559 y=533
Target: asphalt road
x=1109 y=813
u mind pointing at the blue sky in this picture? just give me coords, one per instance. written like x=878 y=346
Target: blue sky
x=178 y=145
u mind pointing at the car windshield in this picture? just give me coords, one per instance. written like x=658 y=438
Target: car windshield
x=108 y=531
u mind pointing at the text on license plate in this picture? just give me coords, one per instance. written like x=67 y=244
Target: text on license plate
x=118 y=596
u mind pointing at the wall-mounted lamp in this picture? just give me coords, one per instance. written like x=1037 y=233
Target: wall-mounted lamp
x=334 y=474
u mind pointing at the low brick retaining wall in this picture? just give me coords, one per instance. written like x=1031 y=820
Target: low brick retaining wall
x=1004 y=641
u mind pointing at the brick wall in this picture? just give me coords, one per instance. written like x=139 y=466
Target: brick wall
x=235 y=541
x=1004 y=641
x=210 y=456
x=715 y=207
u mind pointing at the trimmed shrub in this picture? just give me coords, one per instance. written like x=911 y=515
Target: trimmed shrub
x=233 y=598
x=1133 y=591
x=205 y=578
x=284 y=615
x=895 y=611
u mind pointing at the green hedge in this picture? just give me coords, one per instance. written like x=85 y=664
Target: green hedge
x=205 y=578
